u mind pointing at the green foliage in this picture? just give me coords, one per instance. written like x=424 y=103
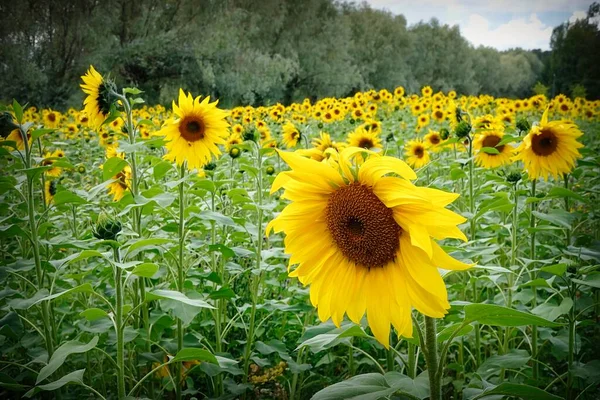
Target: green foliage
x=540 y=89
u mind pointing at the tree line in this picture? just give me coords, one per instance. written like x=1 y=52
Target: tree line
x=269 y=51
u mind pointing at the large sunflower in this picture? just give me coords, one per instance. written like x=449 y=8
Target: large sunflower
x=197 y=131
x=97 y=103
x=375 y=251
x=550 y=148
x=490 y=139
x=417 y=155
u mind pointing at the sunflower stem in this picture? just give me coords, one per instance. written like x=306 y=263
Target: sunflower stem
x=534 y=330
x=432 y=360
x=33 y=228
x=255 y=279
x=567 y=209
x=119 y=324
x=218 y=302
x=571 y=356
x=180 y=274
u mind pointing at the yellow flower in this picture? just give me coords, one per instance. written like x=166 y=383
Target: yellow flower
x=490 y=139
x=364 y=139
x=52 y=119
x=49 y=190
x=417 y=155
x=375 y=252
x=433 y=140
x=96 y=104
x=291 y=135
x=196 y=132
x=121 y=184
x=550 y=148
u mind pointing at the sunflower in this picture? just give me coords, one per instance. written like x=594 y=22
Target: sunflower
x=195 y=135
x=97 y=103
x=427 y=91
x=233 y=140
x=121 y=183
x=433 y=140
x=550 y=148
x=364 y=139
x=49 y=159
x=52 y=119
x=49 y=190
x=438 y=115
x=291 y=135
x=416 y=154
x=490 y=139
x=376 y=251
x=15 y=136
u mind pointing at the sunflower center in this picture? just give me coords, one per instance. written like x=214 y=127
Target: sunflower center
x=434 y=139
x=52 y=117
x=545 y=143
x=362 y=227
x=365 y=143
x=492 y=141
x=419 y=151
x=191 y=129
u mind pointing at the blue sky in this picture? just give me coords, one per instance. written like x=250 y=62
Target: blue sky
x=497 y=23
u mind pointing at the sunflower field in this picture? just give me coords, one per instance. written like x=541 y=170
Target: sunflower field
x=382 y=246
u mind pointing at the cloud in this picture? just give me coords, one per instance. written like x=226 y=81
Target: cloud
x=530 y=33
x=577 y=15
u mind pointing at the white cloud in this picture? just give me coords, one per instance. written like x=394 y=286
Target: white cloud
x=528 y=33
x=577 y=15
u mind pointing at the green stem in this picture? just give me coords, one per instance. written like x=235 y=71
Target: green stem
x=572 y=332
x=567 y=208
x=180 y=274
x=431 y=358
x=412 y=361
x=471 y=195
x=48 y=337
x=119 y=324
x=219 y=303
x=534 y=330
x=255 y=278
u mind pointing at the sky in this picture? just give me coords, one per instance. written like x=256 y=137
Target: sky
x=502 y=24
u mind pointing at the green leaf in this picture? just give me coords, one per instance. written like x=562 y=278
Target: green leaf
x=557 y=217
x=145 y=270
x=552 y=311
x=558 y=191
x=592 y=280
x=161 y=169
x=36 y=133
x=74 y=377
x=84 y=288
x=332 y=338
x=517 y=390
x=159 y=294
x=490 y=150
x=112 y=167
x=93 y=314
x=67 y=197
x=375 y=386
x=222 y=293
x=490 y=314
x=449 y=331
x=515 y=359
x=146 y=244
x=18 y=109
x=192 y=354
x=556 y=269
x=61 y=354
x=132 y=90
x=221 y=248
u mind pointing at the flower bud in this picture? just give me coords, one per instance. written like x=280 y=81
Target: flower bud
x=234 y=152
x=270 y=170
x=462 y=129
x=106 y=228
x=6 y=124
x=513 y=177
x=444 y=133
x=523 y=125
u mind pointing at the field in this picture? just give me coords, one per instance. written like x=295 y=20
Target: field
x=290 y=252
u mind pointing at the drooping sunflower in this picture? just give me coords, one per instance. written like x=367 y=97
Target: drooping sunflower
x=121 y=184
x=291 y=135
x=97 y=103
x=490 y=139
x=550 y=148
x=417 y=155
x=364 y=139
x=49 y=190
x=376 y=251
x=196 y=132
